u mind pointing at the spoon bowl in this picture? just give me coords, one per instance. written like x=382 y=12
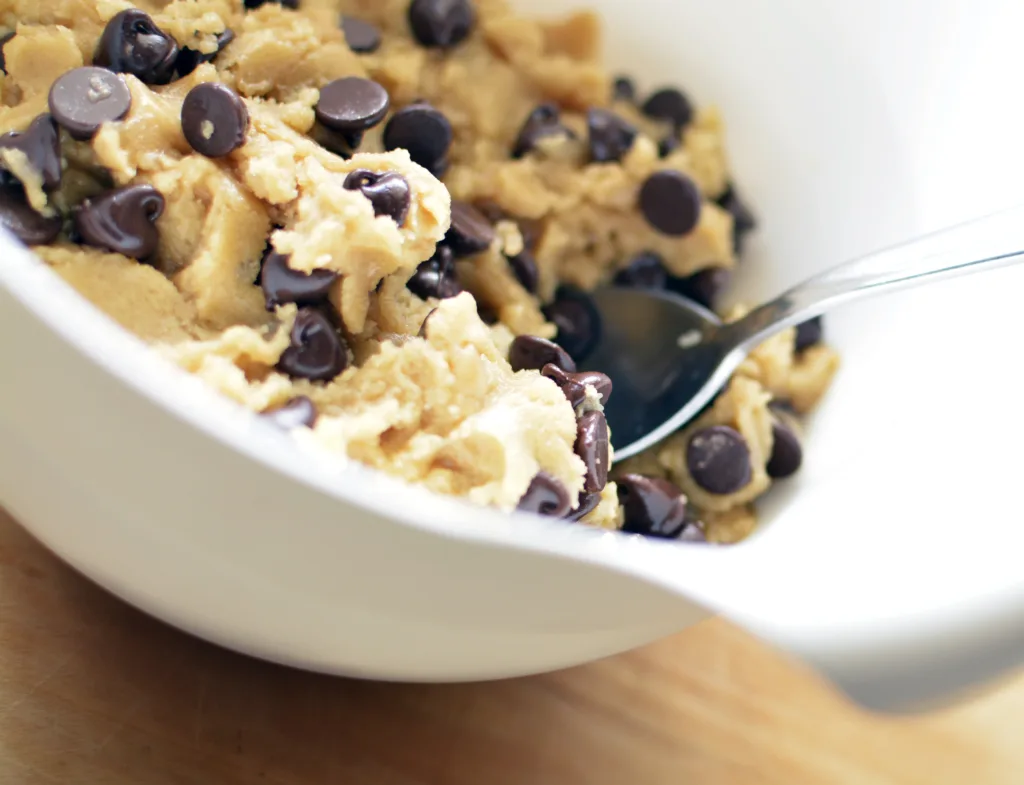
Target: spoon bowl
x=659 y=350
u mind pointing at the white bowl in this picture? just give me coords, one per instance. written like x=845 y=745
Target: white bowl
x=892 y=563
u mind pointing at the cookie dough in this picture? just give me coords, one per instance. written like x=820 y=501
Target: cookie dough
x=374 y=222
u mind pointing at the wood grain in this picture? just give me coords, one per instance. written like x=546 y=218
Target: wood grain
x=92 y=691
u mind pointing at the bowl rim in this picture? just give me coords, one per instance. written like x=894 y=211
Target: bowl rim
x=197 y=405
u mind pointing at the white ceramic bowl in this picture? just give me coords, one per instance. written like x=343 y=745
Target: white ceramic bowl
x=892 y=563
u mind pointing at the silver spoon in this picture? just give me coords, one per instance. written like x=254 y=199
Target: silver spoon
x=668 y=357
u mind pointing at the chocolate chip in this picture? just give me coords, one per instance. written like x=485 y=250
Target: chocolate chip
x=18 y=218
x=573 y=385
x=487 y=315
x=546 y=496
x=703 y=287
x=743 y=220
x=529 y=353
x=132 y=44
x=82 y=99
x=361 y=37
x=388 y=192
x=787 y=452
x=809 y=334
x=299 y=412
x=3 y=41
x=470 y=233
x=352 y=105
x=669 y=104
x=671 y=202
x=601 y=383
x=40 y=143
x=252 y=5
x=436 y=277
x=668 y=145
x=122 y=221
x=646 y=271
x=574 y=392
x=586 y=504
x=190 y=59
x=281 y=284
x=652 y=506
x=542 y=123
x=624 y=89
x=718 y=459
x=441 y=23
x=609 y=136
x=317 y=351
x=578 y=321
x=214 y=119
x=592 y=448
x=423 y=131
x=524 y=268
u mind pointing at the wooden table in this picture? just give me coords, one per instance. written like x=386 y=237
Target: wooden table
x=94 y=692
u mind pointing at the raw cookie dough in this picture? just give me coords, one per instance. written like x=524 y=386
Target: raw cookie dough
x=378 y=270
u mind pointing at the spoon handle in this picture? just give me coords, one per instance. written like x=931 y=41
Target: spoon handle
x=982 y=244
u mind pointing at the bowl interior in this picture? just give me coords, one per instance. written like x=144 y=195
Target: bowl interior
x=852 y=126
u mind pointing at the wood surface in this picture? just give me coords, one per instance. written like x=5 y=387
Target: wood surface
x=94 y=692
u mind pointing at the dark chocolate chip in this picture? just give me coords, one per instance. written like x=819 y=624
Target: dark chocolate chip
x=809 y=334
x=317 y=351
x=671 y=202
x=669 y=104
x=718 y=459
x=609 y=136
x=703 y=287
x=592 y=448
x=787 y=452
x=252 y=5
x=487 y=315
x=436 y=277
x=652 y=506
x=3 y=41
x=352 y=105
x=423 y=131
x=524 y=268
x=214 y=119
x=573 y=385
x=299 y=412
x=470 y=233
x=361 y=37
x=281 y=284
x=82 y=99
x=669 y=145
x=586 y=504
x=529 y=353
x=646 y=271
x=546 y=496
x=574 y=392
x=132 y=44
x=388 y=192
x=624 y=89
x=542 y=123
x=578 y=321
x=190 y=59
x=441 y=23
x=40 y=143
x=601 y=383
x=122 y=221
x=743 y=220
x=18 y=218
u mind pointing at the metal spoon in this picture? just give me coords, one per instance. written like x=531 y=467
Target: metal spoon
x=669 y=357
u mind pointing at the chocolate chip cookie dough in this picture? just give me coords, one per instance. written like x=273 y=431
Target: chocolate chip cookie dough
x=374 y=222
